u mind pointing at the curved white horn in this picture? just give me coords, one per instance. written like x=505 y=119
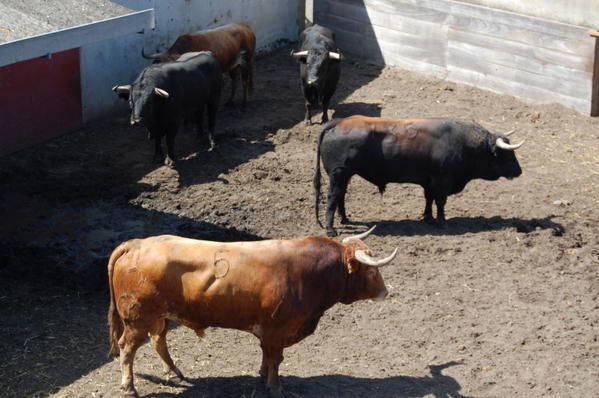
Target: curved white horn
x=160 y=92
x=122 y=89
x=359 y=236
x=364 y=258
x=334 y=55
x=508 y=147
x=299 y=54
x=509 y=133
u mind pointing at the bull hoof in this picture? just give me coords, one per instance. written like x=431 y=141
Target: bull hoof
x=325 y=120
x=428 y=219
x=175 y=379
x=169 y=162
x=275 y=392
x=308 y=122
x=129 y=392
x=331 y=232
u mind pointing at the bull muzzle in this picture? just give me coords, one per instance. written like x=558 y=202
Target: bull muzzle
x=382 y=295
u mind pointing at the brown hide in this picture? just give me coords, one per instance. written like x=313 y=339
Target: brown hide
x=225 y=42
x=276 y=285
x=274 y=289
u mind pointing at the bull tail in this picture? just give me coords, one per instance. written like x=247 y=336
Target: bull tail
x=115 y=322
x=317 y=174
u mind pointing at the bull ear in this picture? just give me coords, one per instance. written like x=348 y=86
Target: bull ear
x=349 y=260
x=160 y=92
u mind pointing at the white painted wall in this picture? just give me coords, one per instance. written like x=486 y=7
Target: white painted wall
x=103 y=65
x=576 y=12
x=271 y=20
x=118 y=61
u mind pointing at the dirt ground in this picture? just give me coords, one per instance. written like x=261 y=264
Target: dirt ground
x=501 y=303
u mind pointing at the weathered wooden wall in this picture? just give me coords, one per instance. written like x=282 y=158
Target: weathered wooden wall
x=531 y=58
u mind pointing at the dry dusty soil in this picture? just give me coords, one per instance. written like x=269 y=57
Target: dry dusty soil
x=501 y=303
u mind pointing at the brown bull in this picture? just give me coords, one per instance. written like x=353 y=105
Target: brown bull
x=275 y=289
x=233 y=45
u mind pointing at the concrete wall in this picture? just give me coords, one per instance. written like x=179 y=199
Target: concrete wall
x=576 y=12
x=118 y=61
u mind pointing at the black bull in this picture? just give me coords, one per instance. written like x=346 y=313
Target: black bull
x=441 y=155
x=163 y=94
x=319 y=68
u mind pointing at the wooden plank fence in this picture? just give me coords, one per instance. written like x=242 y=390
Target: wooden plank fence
x=538 y=60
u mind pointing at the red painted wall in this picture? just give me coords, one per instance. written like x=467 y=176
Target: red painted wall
x=39 y=99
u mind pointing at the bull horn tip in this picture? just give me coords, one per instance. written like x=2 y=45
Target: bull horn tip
x=363 y=235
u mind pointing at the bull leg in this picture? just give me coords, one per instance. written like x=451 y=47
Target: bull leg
x=273 y=356
x=200 y=121
x=440 y=200
x=159 y=343
x=234 y=74
x=337 y=188
x=129 y=342
x=264 y=366
x=170 y=145
x=158 y=154
x=245 y=77
x=308 y=117
x=212 y=107
x=341 y=206
x=325 y=110
x=428 y=207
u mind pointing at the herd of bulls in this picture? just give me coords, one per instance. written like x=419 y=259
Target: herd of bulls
x=275 y=289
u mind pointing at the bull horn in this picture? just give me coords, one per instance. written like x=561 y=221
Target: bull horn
x=508 y=147
x=334 y=55
x=122 y=89
x=299 y=54
x=509 y=133
x=361 y=236
x=153 y=56
x=364 y=258
x=161 y=93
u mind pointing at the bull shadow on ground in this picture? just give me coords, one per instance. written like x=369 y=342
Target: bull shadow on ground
x=276 y=105
x=357 y=108
x=456 y=226
x=435 y=384
x=54 y=292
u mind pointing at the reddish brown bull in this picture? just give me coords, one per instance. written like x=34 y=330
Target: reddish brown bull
x=275 y=289
x=233 y=45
